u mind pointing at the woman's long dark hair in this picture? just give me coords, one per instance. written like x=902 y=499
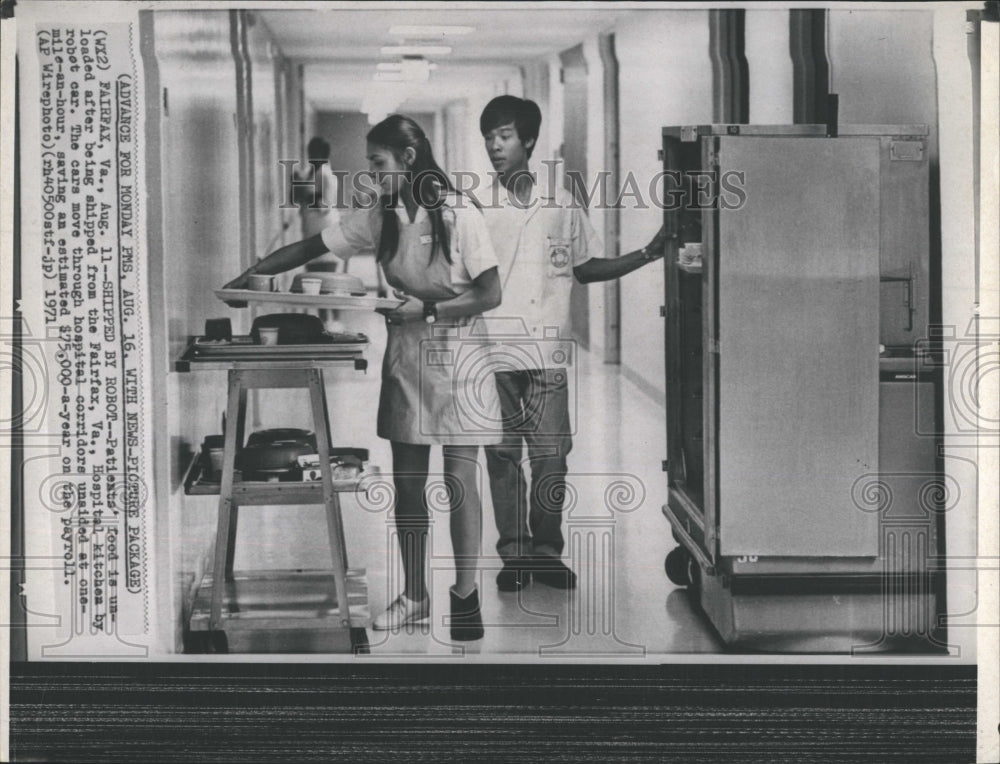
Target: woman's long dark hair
x=430 y=184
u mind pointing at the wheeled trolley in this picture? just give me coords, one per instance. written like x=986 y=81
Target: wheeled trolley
x=805 y=487
x=277 y=610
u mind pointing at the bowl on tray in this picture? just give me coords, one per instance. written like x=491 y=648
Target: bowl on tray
x=274 y=452
x=337 y=284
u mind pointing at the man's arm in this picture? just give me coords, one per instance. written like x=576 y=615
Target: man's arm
x=606 y=269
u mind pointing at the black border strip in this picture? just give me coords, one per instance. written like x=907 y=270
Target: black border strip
x=447 y=712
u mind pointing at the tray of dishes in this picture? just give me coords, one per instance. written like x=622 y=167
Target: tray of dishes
x=301 y=300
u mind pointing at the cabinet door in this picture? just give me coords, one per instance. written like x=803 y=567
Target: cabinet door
x=798 y=323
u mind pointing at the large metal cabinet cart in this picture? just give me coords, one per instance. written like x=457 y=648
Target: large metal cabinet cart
x=805 y=484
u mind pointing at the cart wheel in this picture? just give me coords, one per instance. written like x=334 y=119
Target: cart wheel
x=678 y=566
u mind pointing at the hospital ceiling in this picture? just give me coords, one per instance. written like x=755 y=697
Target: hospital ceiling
x=500 y=35
x=344 y=46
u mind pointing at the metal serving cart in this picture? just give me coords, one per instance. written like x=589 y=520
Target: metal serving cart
x=805 y=483
x=280 y=610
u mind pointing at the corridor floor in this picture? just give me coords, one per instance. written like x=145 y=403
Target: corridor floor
x=623 y=608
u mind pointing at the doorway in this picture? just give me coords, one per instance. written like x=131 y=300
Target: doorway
x=574 y=154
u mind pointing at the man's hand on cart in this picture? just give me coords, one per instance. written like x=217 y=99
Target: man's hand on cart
x=655 y=249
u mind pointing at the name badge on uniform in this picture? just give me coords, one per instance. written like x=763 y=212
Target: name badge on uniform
x=426 y=238
x=559 y=257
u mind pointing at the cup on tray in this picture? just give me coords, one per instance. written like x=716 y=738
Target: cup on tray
x=311 y=286
x=260 y=282
x=268 y=335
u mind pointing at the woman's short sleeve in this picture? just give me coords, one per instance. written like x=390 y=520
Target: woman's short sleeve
x=474 y=244
x=351 y=235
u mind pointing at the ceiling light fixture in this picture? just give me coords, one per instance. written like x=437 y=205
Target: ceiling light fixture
x=410 y=69
x=428 y=31
x=415 y=50
x=397 y=66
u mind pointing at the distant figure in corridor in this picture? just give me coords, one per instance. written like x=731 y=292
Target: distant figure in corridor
x=316 y=193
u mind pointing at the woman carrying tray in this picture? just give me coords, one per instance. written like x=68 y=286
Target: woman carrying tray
x=433 y=246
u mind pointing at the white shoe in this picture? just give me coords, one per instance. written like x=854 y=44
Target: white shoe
x=401 y=612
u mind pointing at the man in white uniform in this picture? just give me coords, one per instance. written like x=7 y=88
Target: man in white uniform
x=543 y=239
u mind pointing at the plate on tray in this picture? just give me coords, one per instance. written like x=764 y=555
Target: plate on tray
x=331 y=301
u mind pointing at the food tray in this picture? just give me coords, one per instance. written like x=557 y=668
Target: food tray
x=327 y=292
x=329 y=301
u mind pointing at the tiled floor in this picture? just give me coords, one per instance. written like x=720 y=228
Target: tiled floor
x=624 y=607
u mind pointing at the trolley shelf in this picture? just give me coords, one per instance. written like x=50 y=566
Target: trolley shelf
x=282 y=599
x=263 y=493
x=185 y=364
x=250 y=357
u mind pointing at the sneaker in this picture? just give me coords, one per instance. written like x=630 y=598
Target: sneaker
x=513 y=576
x=402 y=612
x=466 y=618
x=552 y=572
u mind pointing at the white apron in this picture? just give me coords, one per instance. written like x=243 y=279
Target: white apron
x=438 y=386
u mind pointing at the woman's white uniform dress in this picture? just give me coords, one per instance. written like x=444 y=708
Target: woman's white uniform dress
x=438 y=383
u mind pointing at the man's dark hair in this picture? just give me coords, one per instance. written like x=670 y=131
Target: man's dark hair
x=318 y=149
x=505 y=109
x=304 y=195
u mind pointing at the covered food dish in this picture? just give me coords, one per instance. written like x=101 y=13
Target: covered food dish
x=343 y=284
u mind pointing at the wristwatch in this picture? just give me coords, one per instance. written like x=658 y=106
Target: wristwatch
x=430 y=312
